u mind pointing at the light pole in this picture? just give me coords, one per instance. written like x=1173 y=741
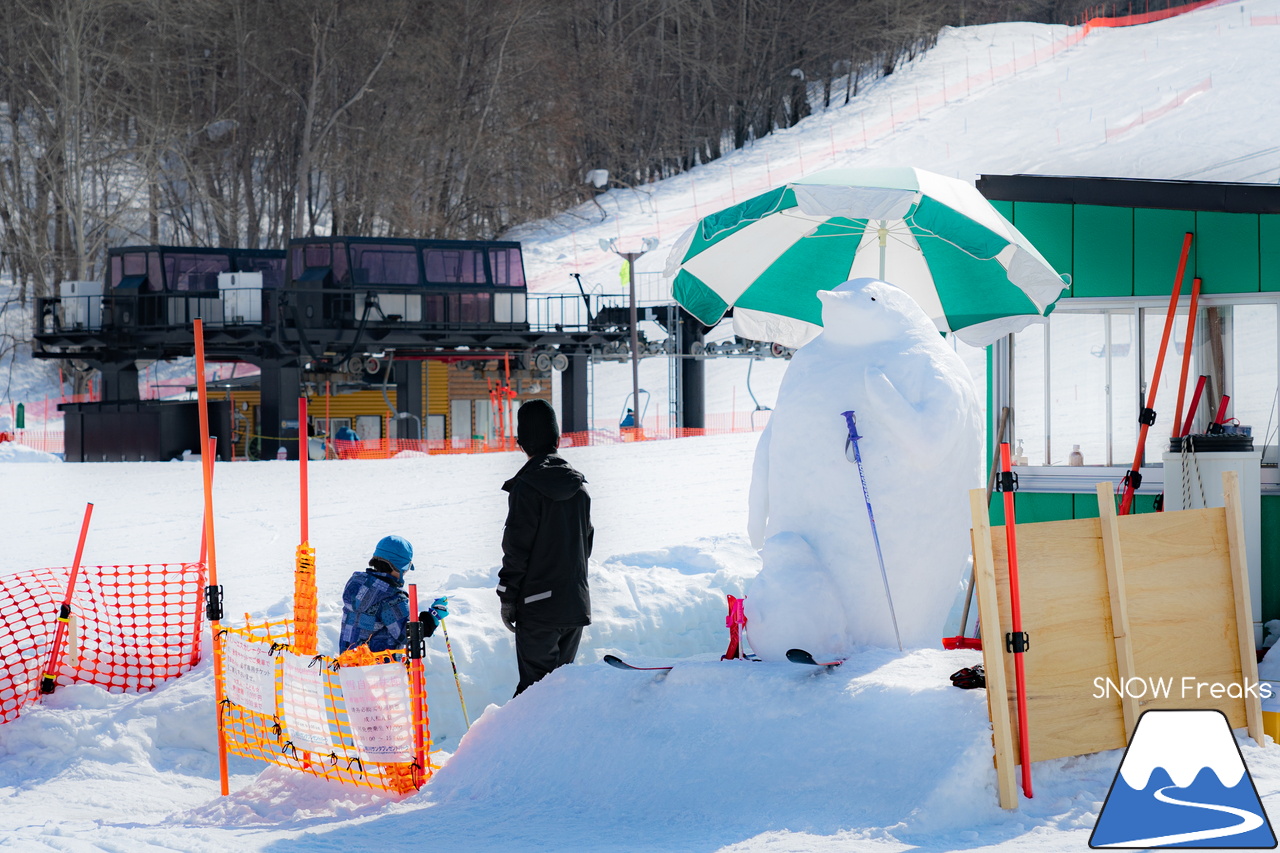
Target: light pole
x=648 y=245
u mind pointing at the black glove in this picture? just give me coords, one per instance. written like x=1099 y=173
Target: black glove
x=429 y=622
x=509 y=616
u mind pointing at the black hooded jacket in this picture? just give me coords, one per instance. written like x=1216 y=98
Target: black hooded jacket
x=546 y=544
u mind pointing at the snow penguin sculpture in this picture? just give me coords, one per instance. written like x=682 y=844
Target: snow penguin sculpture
x=880 y=356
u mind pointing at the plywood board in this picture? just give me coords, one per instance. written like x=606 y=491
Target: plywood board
x=1066 y=612
x=984 y=576
x=1182 y=607
x=1177 y=586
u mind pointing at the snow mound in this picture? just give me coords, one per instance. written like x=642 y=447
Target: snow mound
x=13 y=452
x=761 y=746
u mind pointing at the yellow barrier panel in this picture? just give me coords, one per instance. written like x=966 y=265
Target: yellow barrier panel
x=254 y=734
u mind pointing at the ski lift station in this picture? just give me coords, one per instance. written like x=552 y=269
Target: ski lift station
x=400 y=340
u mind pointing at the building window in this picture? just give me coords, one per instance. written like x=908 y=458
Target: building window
x=1082 y=378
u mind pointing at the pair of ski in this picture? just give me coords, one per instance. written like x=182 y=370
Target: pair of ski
x=794 y=655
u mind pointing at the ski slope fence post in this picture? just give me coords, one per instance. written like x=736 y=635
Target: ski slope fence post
x=1193 y=406
x=1016 y=642
x=49 y=682
x=1147 y=417
x=305 y=627
x=213 y=592
x=416 y=650
x=1186 y=354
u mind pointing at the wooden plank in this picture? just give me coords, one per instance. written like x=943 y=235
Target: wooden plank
x=1066 y=612
x=992 y=651
x=1244 y=607
x=1110 y=531
x=1181 y=608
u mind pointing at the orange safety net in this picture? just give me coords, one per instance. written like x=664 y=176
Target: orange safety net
x=132 y=628
x=312 y=731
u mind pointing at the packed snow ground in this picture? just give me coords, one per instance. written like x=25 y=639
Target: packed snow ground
x=881 y=754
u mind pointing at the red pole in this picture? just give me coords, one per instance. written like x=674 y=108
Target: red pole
x=49 y=682
x=1147 y=417
x=211 y=447
x=1017 y=641
x=328 y=423
x=1186 y=355
x=213 y=592
x=303 y=452
x=1191 y=409
x=1222 y=410
x=417 y=691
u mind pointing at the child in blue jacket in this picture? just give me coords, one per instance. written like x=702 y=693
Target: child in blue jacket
x=375 y=606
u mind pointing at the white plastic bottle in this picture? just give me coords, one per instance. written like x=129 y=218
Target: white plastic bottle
x=282 y=454
x=1076 y=457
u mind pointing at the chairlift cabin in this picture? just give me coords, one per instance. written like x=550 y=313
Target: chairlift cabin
x=384 y=283
x=165 y=286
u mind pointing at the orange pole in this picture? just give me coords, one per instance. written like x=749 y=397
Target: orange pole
x=213 y=592
x=417 y=684
x=1186 y=355
x=1147 y=417
x=211 y=447
x=50 y=681
x=1017 y=640
x=506 y=399
x=303 y=452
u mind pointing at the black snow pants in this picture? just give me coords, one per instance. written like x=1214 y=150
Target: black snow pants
x=542 y=648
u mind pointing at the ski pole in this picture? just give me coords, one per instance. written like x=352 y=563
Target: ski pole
x=456 y=679
x=852 y=441
x=49 y=682
x=1147 y=416
x=1016 y=641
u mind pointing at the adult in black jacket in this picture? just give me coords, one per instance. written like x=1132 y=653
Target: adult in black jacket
x=545 y=546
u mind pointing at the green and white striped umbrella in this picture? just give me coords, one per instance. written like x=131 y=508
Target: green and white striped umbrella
x=935 y=237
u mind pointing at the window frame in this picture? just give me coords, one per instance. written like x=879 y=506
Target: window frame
x=1041 y=477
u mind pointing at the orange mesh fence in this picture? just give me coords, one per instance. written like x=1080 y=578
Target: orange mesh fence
x=347 y=719
x=133 y=627
x=47 y=440
x=651 y=430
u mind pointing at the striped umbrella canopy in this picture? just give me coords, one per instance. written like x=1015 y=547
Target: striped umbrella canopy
x=935 y=237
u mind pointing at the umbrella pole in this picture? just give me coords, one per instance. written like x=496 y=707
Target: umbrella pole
x=883 y=234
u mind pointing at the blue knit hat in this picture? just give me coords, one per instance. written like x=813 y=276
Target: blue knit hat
x=397 y=551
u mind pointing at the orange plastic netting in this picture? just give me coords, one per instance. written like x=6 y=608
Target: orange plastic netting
x=132 y=628
x=302 y=719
